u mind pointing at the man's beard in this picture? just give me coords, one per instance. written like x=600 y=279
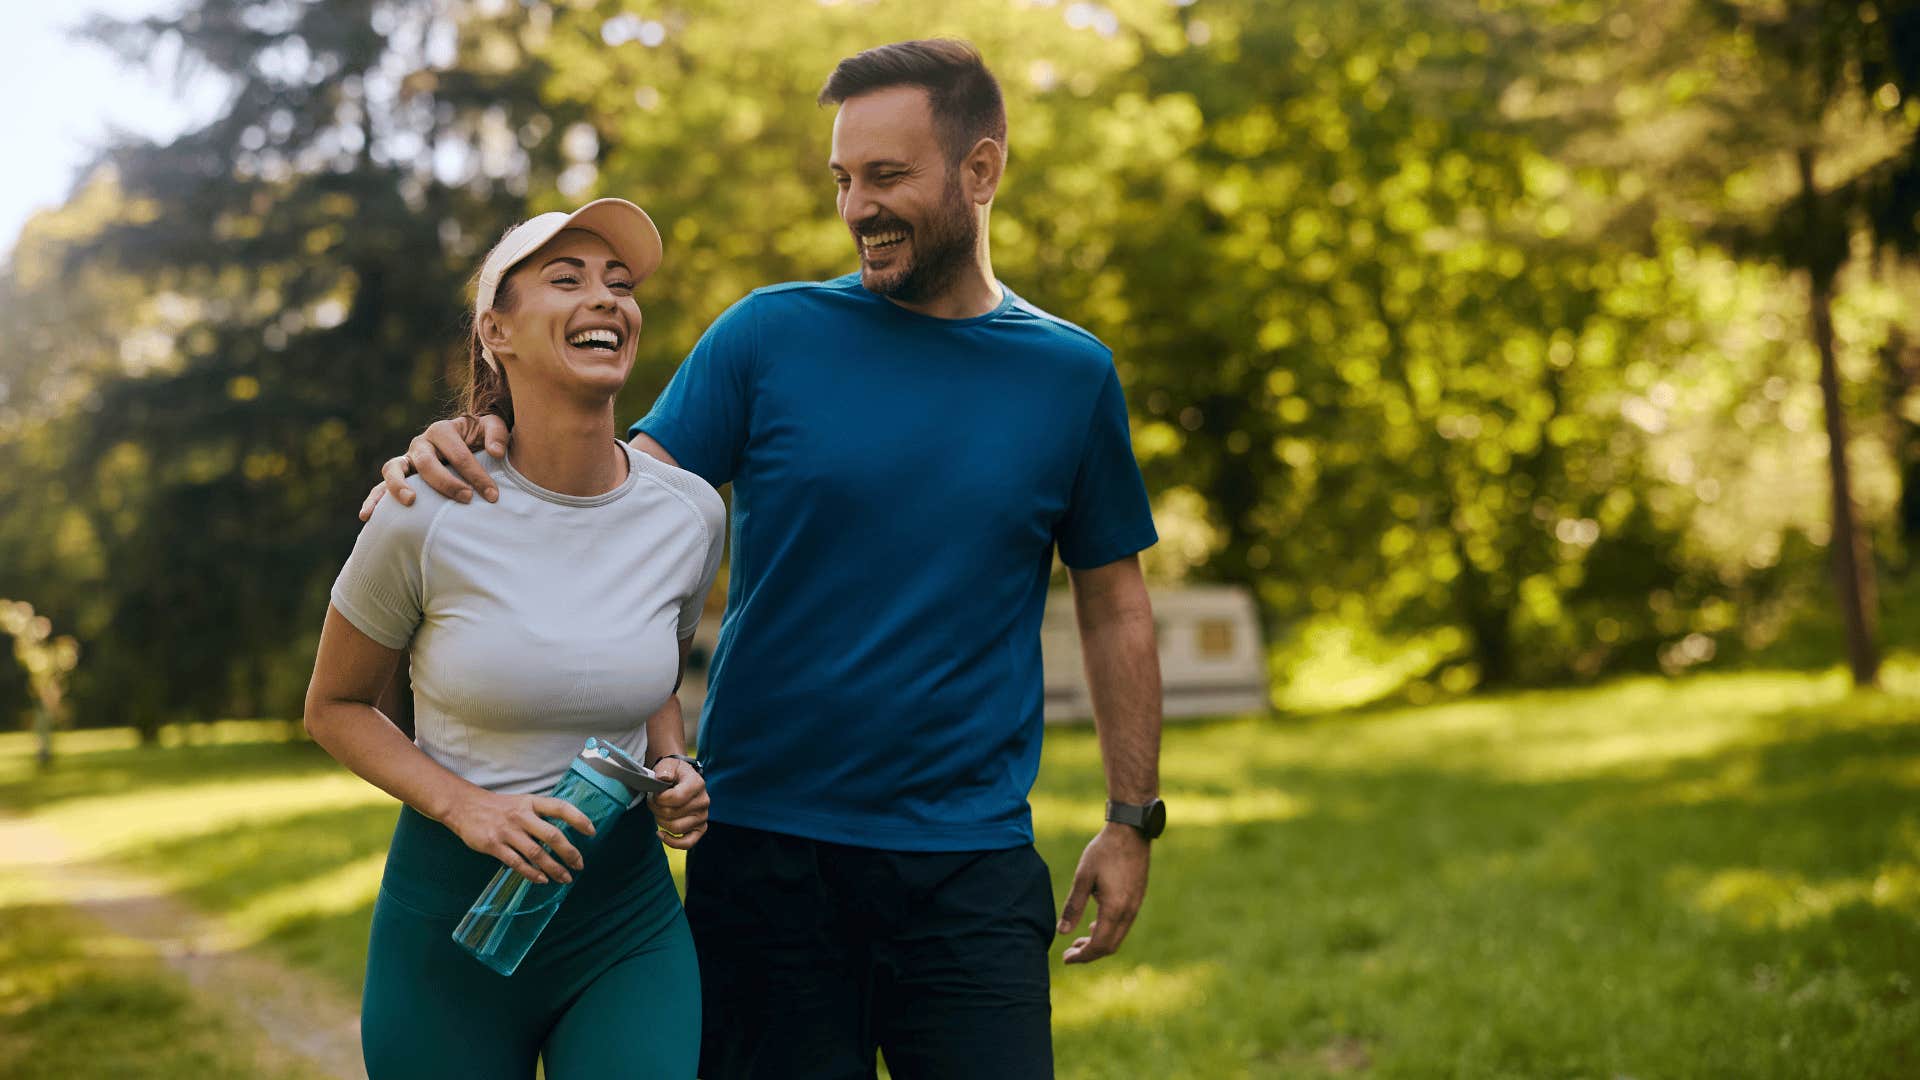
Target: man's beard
x=941 y=251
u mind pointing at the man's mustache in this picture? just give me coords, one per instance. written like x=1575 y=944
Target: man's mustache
x=881 y=225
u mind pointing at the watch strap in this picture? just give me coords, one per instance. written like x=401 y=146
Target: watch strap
x=697 y=767
x=1149 y=819
x=1127 y=814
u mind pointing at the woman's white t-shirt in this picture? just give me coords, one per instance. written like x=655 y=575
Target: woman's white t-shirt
x=540 y=619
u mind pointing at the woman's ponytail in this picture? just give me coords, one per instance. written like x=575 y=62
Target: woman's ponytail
x=487 y=391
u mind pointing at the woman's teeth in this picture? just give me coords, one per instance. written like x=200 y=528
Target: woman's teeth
x=595 y=339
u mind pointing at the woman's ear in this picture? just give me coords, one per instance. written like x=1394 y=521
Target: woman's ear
x=493 y=333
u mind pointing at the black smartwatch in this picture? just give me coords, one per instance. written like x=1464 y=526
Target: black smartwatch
x=697 y=767
x=1150 y=819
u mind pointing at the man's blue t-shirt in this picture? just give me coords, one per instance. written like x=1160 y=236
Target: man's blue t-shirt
x=900 y=483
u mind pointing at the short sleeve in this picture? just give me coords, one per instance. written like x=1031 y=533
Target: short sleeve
x=701 y=417
x=382 y=588
x=714 y=513
x=1108 y=516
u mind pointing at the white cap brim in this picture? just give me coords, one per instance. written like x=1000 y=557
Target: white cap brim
x=625 y=227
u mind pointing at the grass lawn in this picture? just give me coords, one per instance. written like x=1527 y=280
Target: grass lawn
x=1708 y=878
x=77 y=1004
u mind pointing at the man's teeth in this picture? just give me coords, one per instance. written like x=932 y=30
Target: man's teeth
x=595 y=339
x=881 y=240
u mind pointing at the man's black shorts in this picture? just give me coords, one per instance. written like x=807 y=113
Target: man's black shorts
x=815 y=955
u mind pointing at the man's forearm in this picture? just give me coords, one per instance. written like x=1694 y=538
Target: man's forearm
x=647 y=445
x=1123 y=677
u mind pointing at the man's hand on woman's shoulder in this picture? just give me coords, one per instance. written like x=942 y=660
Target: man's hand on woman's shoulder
x=443 y=456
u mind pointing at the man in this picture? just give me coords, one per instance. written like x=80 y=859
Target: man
x=908 y=446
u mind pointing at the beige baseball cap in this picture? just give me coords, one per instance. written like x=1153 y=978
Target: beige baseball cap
x=625 y=227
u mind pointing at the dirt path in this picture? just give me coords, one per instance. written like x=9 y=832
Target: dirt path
x=299 y=1017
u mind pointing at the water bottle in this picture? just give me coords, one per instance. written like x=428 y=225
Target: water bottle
x=512 y=911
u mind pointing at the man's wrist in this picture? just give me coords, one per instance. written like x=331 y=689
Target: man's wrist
x=1148 y=819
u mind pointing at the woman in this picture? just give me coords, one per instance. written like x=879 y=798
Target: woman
x=530 y=624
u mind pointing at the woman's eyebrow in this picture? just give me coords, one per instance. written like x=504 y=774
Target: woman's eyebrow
x=580 y=264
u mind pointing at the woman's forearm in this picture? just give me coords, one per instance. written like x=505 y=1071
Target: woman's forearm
x=666 y=730
x=361 y=737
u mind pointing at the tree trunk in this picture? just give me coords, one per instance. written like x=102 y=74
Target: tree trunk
x=43 y=735
x=1489 y=623
x=1852 y=550
x=1896 y=356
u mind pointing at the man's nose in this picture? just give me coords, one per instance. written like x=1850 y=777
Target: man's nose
x=859 y=205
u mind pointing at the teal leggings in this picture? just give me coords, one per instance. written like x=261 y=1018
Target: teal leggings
x=611 y=990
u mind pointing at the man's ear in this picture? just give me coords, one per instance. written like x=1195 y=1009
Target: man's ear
x=493 y=333
x=981 y=169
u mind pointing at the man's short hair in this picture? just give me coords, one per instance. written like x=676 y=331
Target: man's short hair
x=965 y=96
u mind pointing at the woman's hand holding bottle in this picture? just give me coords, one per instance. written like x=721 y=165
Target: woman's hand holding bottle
x=515 y=830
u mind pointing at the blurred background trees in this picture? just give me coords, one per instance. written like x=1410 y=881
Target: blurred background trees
x=1488 y=342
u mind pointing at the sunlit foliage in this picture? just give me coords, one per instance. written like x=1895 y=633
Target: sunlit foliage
x=1447 y=327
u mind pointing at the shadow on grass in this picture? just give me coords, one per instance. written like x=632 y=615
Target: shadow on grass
x=1755 y=912
x=110 y=772
x=72 y=1011
x=293 y=865
x=230 y=867
x=1750 y=910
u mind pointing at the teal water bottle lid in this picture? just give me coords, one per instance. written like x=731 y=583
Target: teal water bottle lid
x=611 y=769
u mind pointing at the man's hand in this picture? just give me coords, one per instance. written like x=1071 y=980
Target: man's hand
x=1112 y=870
x=443 y=456
x=680 y=812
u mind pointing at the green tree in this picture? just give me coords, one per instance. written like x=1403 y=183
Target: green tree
x=310 y=244
x=1363 y=330
x=1416 y=304
x=1789 y=132
x=46 y=661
